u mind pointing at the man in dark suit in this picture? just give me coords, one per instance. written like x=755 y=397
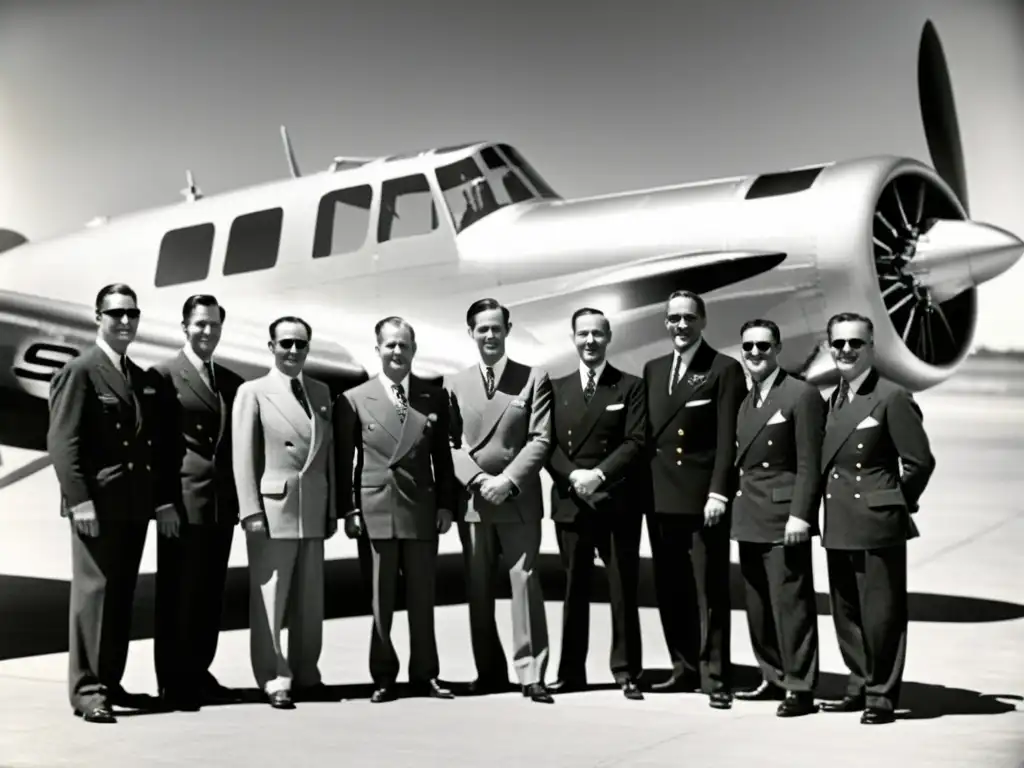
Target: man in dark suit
x=103 y=441
x=598 y=419
x=402 y=491
x=876 y=460
x=191 y=569
x=693 y=394
x=774 y=516
x=501 y=436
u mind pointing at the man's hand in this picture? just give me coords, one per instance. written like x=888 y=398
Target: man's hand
x=496 y=489
x=796 y=531
x=586 y=483
x=332 y=527
x=354 y=525
x=444 y=520
x=256 y=524
x=85 y=521
x=714 y=509
x=167 y=522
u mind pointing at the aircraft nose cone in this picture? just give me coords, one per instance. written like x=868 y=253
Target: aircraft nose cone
x=954 y=255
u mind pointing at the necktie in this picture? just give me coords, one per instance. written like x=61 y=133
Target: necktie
x=842 y=395
x=124 y=365
x=591 y=387
x=490 y=381
x=757 y=394
x=301 y=397
x=210 y=381
x=403 y=404
x=675 y=373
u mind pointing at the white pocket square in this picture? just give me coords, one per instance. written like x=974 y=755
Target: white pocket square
x=615 y=407
x=695 y=403
x=870 y=421
x=778 y=418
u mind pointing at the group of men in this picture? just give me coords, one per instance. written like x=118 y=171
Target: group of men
x=397 y=460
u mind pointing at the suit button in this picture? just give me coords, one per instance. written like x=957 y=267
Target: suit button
x=149 y=442
x=856 y=495
x=199 y=427
x=739 y=493
x=737 y=443
x=858 y=465
x=764 y=464
x=130 y=466
x=769 y=442
x=679 y=450
x=741 y=473
x=681 y=433
x=147 y=467
x=858 y=478
x=828 y=495
x=570 y=431
x=125 y=442
x=859 y=446
x=835 y=475
x=118 y=425
x=679 y=463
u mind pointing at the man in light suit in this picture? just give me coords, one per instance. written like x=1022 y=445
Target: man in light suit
x=197 y=397
x=876 y=461
x=598 y=418
x=104 y=440
x=501 y=435
x=693 y=395
x=402 y=492
x=774 y=517
x=283 y=461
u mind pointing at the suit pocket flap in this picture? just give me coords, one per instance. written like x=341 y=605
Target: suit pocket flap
x=782 y=494
x=273 y=486
x=890 y=497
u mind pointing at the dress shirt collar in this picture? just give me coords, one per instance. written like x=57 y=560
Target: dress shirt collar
x=388 y=384
x=585 y=373
x=499 y=369
x=766 y=386
x=857 y=383
x=686 y=357
x=192 y=357
x=288 y=379
x=109 y=352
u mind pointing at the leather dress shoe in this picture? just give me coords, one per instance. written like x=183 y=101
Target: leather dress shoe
x=537 y=692
x=281 y=700
x=764 y=692
x=846 y=704
x=567 y=686
x=481 y=687
x=631 y=690
x=875 y=716
x=383 y=693
x=796 y=704
x=315 y=692
x=95 y=713
x=435 y=690
x=720 y=700
x=117 y=696
x=217 y=694
x=180 y=700
x=682 y=684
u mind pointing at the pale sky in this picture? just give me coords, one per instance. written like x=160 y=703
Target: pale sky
x=103 y=105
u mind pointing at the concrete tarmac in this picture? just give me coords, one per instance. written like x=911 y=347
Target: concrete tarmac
x=962 y=700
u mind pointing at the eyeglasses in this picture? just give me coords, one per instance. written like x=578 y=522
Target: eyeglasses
x=675 y=318
x=118 y=314
x=299 y=344
x=762 y=346
x=854 y=343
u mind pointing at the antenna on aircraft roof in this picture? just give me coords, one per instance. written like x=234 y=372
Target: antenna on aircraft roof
x=293 y=166
x=191 y=192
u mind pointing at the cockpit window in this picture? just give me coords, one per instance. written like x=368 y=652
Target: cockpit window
x=528 y=170
x=477 y=186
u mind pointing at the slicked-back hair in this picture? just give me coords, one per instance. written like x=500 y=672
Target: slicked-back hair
x=289 y=319
x=762 y=323
x=398 y=322
x=850 y=317
x=200 y=300
x=485 y=305
x=694 y=297
x=120 y=289
x=583 y=312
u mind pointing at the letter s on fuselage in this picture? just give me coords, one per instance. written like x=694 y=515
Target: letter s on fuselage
x=36 y=361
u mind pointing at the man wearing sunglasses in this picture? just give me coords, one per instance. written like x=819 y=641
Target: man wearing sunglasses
x=876 y=461
x=693 y=394
x=283 y=463
x=192 y=568
x=774 y=516
x=103 y=440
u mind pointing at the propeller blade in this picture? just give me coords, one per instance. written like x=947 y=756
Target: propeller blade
x=938 y=113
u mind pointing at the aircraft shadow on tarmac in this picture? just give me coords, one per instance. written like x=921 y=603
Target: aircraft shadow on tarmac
x=35 y=618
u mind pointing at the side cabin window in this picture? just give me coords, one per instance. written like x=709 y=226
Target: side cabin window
x=407 y=208
x=184 y=255
x=342 y=221
x=254 y=241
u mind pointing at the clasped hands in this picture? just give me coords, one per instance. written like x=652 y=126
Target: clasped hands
x=494 y=489
x=585 y=482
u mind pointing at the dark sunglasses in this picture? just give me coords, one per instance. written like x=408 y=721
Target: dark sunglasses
x=762 y=346
x=299 y=344
x=117 y=314
x=854 y=343
x=675 y=318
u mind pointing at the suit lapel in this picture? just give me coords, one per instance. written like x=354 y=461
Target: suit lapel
x=606 y=393
x=752 y=420
x=319 y=422
x=842 y=423
x=383 y=410
x=285 y=401
x=414 y=423
x=696 y=375
x=193 y=380
x=115 y=379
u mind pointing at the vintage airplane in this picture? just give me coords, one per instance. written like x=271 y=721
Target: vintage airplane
x=423 y=234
